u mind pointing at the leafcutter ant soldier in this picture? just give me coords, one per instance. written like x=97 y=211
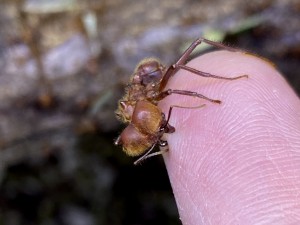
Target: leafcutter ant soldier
x=138 y=107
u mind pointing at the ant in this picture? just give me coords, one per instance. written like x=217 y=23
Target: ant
x=139 y=106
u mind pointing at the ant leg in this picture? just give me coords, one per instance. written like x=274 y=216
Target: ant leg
x=163 y=143
x=118 y=141
x=144 y=156
x=148 y=155
x=204 y=74
x=190 y=49
x=181 y=107
x=182 y=60
x=184 y=92
x=220 y=45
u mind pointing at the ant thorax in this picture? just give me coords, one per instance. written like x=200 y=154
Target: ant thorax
x=144 y=85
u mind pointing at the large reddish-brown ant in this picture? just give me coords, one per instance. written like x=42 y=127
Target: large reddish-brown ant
x=138 y=107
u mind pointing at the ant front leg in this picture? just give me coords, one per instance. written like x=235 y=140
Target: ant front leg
x=184 y=92
x=166 y=128
x=180 y=64
x=148 y=154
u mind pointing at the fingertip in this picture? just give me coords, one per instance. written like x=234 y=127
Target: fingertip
x=222 y=150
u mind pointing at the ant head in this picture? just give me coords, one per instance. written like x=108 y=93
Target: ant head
x=147 y=118
x=148 y=71
x=134 y=142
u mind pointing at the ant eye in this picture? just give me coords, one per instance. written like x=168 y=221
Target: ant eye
x=124 y=111
x=123 y=105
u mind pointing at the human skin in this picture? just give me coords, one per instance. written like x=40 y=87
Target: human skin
x=237 y=162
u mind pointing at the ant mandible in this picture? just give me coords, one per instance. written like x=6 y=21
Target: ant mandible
x=139 y=106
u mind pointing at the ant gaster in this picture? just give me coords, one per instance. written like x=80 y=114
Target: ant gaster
x=139 y=106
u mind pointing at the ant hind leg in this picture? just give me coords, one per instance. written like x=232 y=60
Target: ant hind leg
x=204 y=74
x=180 y=64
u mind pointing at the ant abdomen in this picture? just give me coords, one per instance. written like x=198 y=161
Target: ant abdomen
x=149 y=71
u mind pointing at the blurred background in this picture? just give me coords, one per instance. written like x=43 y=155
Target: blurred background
x=63 y=67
